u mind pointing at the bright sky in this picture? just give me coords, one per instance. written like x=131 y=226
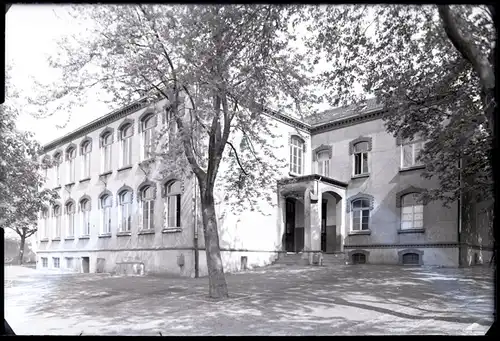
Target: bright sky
x=30 y=34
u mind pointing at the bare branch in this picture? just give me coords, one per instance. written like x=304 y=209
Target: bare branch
x=237 y=158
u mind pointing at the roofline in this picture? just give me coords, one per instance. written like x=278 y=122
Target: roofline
x=310 y=177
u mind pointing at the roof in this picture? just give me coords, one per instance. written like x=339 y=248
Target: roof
x=335 y=114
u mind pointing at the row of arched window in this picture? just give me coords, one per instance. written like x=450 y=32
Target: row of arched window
x=125 y=133
x=80 y=222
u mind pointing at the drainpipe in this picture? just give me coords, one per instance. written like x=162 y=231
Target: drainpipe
x=195 y=231
x=459 y=227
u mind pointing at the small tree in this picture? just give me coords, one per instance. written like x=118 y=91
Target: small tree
x=218 y=66
x=432 y=67
x=21 y=199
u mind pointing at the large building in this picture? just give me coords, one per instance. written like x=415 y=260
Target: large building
x=348 y=189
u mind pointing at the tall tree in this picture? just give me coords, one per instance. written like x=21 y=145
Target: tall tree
x=219 y=66
x=432 y=67
x=21 y=179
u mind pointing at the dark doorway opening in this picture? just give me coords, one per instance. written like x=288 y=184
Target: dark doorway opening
x=290 y=225
x=85 y=264
x=323 y=225
x=411 y=259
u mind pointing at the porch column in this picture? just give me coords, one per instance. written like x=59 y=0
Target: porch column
x=307 y=223
x=315 y=233
x=280 y=224
x=341 y=221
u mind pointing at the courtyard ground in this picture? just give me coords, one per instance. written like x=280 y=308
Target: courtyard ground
x=276 y=300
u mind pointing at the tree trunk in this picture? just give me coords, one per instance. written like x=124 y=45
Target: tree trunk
x=21 y=249
x=216 y=279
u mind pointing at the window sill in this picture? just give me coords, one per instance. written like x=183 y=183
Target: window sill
x=84 y=237
x=105 y=173
x=294 y=175
x=146 y=232
x=57 y=187
x=407 y=169
x=123 y=233
x=361 y=232
x=411 y=231
x=70 y=183
x=69 y=238
x=124 y=168
x=105 y=235
x=83 y=180
x=56 y=239
x=171 y=230
x=44 y=240
x=360 y=176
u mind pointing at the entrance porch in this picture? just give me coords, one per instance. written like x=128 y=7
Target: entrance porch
x=312 y=215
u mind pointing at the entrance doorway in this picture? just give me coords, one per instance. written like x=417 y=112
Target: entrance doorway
x=294 y=235
x=324 y=205
x=85 y=264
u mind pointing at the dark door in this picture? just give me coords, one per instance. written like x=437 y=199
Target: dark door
x=323 y=225
x=290 y=226
x=85 y=264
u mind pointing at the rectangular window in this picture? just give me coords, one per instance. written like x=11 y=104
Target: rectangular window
x=85 y=223
x=106 y=220
x=106 y=158
x=57 y=175
x=412 y=217
x=86 y=166
x=147 y=137
x=71 y=225
x=173 y=207
x=126 y=152
x=45 y=262
x=71 y=170
x=360 y=220
x=409 y=154
x=69 y=262
x=56 y=262
x=148 y=215
x=125 y=216
x=360 y=163
x=57 y=230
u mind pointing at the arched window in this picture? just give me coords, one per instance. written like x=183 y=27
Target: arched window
x=107 y=142
x=70 y=217
x=296 y=155
x=147 y=125
x=126 y=145
x=173 y=204
x=147 y=207
x=85 y=152
x=360 y=213
x=324 y=163
x=70 y=157
x=410 y=151
x=358 y=258
x=360 y=152
x=57 y=169
x=57 y=221
x=412 y=212
x=44 y=224
x=85 y=216
x=125 y=211
x=106 y=204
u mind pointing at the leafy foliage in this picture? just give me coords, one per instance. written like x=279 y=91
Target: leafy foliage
x=404 y=57
x=21 y=179
x=215 y=66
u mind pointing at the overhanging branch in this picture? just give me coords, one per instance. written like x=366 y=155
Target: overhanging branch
x=237 y=158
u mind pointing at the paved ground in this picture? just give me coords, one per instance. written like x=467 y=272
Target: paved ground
x=278 y=300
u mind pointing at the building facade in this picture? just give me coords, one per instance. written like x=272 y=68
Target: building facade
x=349 y=188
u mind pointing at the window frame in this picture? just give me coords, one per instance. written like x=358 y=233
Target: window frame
x=297 y=144
x=147 y=132
x=85 y=217
x=45 y=262
x=173 y=198
x=121 y=205
x=106 y=212
x=361 y=159
x=413 y=213
x=54 y=262
x=70 y=217
x=107 y=152
x=57 y=169
x=71 y=164
x=361 y=210
x=147 y=207
x=86 y=149
x=323 y=165
x=414 y=162
x=57 y=222
x=126 y=145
